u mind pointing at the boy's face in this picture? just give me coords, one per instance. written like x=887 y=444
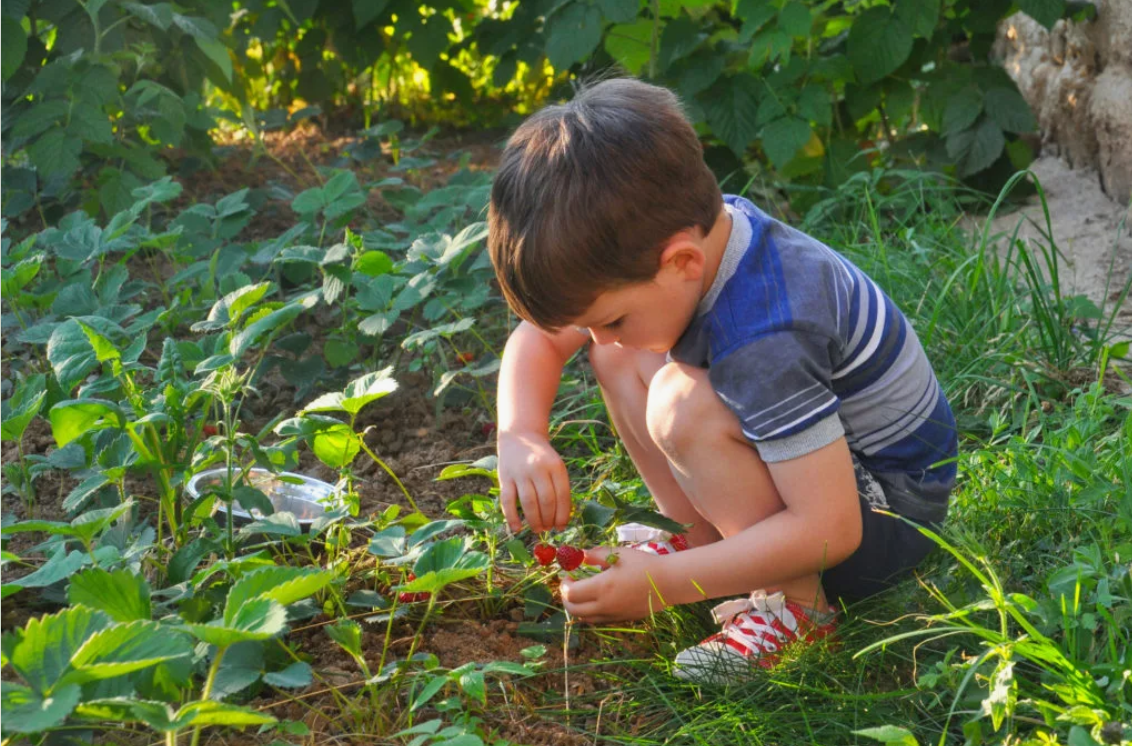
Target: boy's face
x=648 y=315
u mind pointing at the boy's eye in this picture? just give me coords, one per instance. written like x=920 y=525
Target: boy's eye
x=616 y=323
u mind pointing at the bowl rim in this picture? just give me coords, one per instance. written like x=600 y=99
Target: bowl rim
x=239 y=512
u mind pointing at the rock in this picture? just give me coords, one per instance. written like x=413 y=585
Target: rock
x=1078 y=80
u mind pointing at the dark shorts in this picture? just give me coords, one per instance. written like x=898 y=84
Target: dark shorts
x=890 y=548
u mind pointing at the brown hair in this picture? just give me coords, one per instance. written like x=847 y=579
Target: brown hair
x=587 y=194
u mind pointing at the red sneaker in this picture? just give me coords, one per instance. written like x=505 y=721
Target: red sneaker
x=754 y=632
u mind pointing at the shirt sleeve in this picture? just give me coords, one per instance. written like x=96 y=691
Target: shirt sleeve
x=778 y=385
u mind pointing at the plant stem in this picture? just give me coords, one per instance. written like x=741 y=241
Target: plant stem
x=389 y=471
x=207 y=691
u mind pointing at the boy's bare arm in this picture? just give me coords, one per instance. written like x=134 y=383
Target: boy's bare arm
x=820 y=527
x=531 y=473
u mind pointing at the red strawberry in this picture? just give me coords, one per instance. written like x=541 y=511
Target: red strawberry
x=569 y=557
x=466 y=358
x=408 y=598
x=545 y=554
x=208 y=430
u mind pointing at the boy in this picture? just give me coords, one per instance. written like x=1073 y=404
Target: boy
x=768 y=392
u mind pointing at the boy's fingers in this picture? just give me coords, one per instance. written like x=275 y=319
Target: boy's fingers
x=597 y=557
x=544 y=491
x=507 y=497
x=563 y=503
x=528 y=497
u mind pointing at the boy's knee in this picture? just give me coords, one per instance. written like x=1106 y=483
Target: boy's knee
x=681 y=403
x=610 y=363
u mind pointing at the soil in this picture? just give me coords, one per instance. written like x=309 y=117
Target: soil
x=1093 y=234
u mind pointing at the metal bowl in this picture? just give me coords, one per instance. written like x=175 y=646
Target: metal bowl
x=308 y=500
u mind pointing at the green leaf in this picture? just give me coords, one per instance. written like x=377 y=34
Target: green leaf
x=629 y=44
x=46 y=645
x=40 y=117
x=921 y=16
x=783 y=138
x=294 y=676
x=374 y=263
x=208 y=712
x=284 y=585
x=218 y=53
x=429 y=39
x=336 y=446
x=619 y=11
x=61 y=565
x=89 y=122
x=93 y=522
x=14 y=48
x=261 y=619
x=125 y=648
x=17 y=278
x=977 y=148
x=122 y=594
x=272 y=321
x=84 y=490
x=473 y=685
x=427 y=692
x=1045 y=12
x=889 y=734
x=104 y=349
x=572 y=34
x=1009 y=110
x=879 y=42
x=156 y=715
x=754 y=14
x=56 y=154
x=241 y=300
x=76 y=417
x=115 y=188
x=795 y=19
x=348 y=634
x=367 y=10
x=389 y=542
x=158 y=14
x=431 y=530
x=679 y=39
x=358 y=393
x=770 y=45
x=1079 y=736
x=814 y=105
x=69 y=350
x=962 y=109
x=241 y=666
x=732 y=111
x=15 y=420
x=198 y=28
x=27 y=711
x=339 y=352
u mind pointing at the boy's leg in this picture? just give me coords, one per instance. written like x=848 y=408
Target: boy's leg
x=624 y=377
x=714 y=464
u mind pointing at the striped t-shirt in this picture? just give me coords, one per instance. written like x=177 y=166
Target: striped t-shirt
x=803 y=347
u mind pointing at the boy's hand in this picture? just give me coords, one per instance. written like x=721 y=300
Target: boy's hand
x=532 y=474
x=623 y=592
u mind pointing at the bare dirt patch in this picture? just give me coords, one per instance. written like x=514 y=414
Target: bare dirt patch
x=1093 y=234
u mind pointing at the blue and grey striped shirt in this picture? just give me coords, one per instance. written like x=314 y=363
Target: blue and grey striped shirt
x=805 y=348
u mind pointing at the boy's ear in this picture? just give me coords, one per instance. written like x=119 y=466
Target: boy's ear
x=683 y=254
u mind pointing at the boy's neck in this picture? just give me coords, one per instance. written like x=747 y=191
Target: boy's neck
x=714 y=245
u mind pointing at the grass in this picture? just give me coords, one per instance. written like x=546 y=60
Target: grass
x=1016 y=631
x=1017 y=634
